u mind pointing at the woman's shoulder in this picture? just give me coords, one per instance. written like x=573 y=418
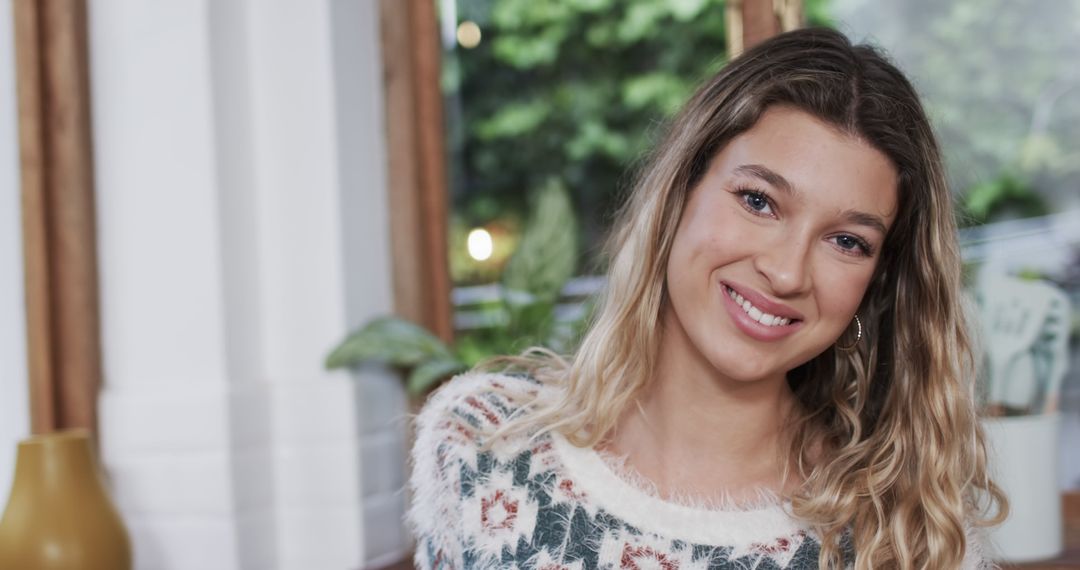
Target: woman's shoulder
x=472 y=406
x=482 y=383
x=449 y=454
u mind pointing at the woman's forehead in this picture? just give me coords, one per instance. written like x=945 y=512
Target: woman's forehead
x=797 y=154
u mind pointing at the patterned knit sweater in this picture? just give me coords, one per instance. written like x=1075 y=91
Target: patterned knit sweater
x=546 y=504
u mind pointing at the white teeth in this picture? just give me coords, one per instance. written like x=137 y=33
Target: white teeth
x=756 y=313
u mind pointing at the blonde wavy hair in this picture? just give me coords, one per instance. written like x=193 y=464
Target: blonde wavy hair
x=886 y=437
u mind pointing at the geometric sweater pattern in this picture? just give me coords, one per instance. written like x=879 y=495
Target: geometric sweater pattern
x=541 y=503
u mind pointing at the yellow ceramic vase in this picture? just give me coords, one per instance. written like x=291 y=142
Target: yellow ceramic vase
x=59 y=516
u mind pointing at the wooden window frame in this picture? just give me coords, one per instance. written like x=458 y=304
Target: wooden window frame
x=58 y=227
x=750 y=22
x=417 y=163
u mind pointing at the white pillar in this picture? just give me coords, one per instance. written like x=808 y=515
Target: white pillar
x=367 y=272
x=164 y=414
x=241 y=189
x=14 y=402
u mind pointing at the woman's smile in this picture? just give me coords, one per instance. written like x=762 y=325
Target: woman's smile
x=758 y=317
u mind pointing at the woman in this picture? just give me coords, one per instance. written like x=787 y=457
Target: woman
x=778 y=374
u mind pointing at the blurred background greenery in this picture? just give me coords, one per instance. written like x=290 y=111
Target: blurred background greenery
x=577 y=90
x=1001 y=82
x=574 y=89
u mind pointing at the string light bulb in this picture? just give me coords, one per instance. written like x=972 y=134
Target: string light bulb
x=468 y=34
x=480 y=244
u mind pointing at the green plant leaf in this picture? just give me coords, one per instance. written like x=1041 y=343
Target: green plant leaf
x=389 y=340
x=987 y=201
x=514 y=120
x=431 y=373
x=472 y=347
x=547 y=253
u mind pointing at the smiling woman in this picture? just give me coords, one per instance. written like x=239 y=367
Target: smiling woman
x=778 y=373
x=777 y=225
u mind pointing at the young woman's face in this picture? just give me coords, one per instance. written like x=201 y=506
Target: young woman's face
x=777 y=245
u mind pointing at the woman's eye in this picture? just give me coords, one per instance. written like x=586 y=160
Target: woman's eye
x=756 y=202
x=852 y=244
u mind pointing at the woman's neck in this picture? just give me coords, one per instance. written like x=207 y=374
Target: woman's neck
x=695 y=432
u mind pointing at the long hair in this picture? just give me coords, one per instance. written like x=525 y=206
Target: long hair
x=885 y=437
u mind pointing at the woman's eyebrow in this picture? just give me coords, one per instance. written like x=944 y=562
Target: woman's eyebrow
x=776 y=180
x=864 y=219
x=768 y=175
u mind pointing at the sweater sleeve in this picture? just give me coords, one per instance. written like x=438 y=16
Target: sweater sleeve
x=449 y=434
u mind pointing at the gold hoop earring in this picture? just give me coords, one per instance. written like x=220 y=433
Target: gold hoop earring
x=858 y=337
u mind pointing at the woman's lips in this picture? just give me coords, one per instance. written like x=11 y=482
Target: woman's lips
x=763 y=304
x=782 y=321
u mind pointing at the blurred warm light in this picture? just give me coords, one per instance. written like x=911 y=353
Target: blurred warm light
x=480 y=244
x=468 y=34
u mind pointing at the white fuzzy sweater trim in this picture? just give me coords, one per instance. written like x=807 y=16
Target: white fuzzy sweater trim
x=735 y=525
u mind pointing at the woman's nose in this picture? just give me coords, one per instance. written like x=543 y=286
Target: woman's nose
x=785 y=264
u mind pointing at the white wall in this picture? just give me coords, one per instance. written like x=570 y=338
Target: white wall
x=366 y=268
x=14 y=417
x=240 y=176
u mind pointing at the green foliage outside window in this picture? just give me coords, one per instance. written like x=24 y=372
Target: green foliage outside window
x=574 y=90
x=1001 y=83
x=525 y=308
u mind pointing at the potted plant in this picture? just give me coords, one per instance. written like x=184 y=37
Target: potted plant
x=530 y=286
x=1025 y=329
